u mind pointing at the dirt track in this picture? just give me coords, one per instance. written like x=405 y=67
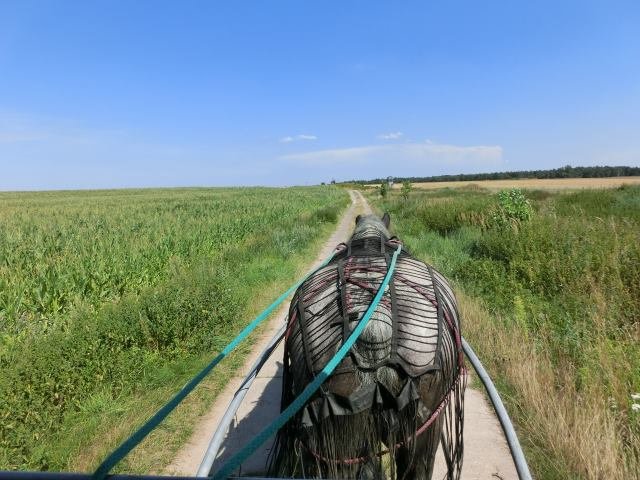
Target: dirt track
x=486 y=453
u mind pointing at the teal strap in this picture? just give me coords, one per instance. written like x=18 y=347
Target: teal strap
x=139 y=435
x=311 y=388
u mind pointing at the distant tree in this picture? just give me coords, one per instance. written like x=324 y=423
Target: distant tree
x=406 y=189
x=323 y=183
x=333 y=181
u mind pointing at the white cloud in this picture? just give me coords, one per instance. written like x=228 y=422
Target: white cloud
x=39 y=152
x=16 y=129
x=301 y=137
x=40 y=130
x=390 y=136
x=408 y=154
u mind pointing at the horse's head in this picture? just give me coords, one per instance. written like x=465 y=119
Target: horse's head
x=372 y=226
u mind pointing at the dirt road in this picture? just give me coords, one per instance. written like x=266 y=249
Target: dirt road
x=486 y=453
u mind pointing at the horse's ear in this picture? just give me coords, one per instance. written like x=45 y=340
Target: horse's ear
x=358 y=218
x=386 y=219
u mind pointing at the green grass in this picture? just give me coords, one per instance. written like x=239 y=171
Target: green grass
x=568 y=281
x=111 y=300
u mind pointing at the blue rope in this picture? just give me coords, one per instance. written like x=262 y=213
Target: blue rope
x=139 y=435
x=311 y=388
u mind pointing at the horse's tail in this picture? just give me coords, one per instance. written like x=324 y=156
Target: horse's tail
x=346 y=445
x=356 y=445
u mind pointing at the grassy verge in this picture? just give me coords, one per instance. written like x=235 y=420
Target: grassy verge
x=71 y=391
x=551 y=304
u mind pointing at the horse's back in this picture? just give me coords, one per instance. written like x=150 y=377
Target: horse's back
x=405 y=331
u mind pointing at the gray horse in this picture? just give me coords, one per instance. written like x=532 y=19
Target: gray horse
x=398 y=393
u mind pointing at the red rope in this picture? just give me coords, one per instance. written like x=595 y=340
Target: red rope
x=292 y=322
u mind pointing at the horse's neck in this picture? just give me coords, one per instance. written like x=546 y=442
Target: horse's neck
x=368 y=232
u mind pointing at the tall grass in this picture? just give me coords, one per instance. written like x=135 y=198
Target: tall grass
x=553 y=306
x=111 y=300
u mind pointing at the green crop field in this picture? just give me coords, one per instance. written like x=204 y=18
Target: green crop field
x=110 y=300
x=549 y=288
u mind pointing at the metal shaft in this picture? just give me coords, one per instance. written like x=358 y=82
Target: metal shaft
x=512 y=439
x=223 y=427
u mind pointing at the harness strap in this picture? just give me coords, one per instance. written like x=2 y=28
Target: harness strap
x=136 y=437
x=312 y=387
x=344 y=306
x=441 y=319
x=304 y=330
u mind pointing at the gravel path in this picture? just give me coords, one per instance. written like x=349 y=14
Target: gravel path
x=486 y=452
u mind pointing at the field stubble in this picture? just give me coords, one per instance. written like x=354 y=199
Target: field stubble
x=553 y=184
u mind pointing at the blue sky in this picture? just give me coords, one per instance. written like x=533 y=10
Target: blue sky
x=119 y=94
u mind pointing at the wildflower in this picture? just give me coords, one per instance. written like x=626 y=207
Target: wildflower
x=635 y=407
x=635 y=396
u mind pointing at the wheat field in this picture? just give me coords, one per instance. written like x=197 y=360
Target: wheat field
x=535 y=183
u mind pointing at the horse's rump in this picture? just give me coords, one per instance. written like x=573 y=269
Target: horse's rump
x=402 y=380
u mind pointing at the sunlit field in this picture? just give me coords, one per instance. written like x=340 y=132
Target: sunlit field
x=110 y=300
x=549 y=287
x=535 y=183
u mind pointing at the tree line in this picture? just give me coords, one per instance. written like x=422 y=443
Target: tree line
x=564 y=172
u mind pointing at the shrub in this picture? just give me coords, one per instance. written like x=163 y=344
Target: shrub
x=406 y=189
x=513 y=208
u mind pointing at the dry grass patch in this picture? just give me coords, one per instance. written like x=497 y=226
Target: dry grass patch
x=579 y=428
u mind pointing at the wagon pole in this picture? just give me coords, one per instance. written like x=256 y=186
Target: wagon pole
x=218 y=437
x=512 y=439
